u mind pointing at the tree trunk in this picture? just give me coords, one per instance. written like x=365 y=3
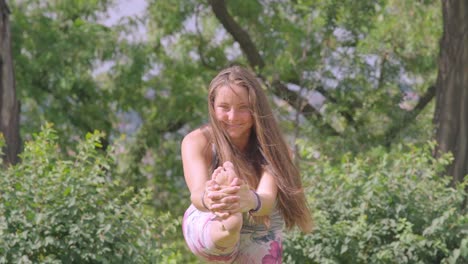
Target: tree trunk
x=9 y=105
x=451 y=114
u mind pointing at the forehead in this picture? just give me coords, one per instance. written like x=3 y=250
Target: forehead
x=232 y=94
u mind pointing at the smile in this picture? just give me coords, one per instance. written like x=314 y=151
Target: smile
x=232 y=126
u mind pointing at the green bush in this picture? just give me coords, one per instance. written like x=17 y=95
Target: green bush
x=56 y=208
x=383 y=208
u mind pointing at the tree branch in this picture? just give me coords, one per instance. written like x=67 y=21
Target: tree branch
x=347 y=115
x=201 y=42
x=256 y=61
x=239 y=34
x=397 y=127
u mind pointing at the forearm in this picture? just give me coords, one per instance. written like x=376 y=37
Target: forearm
x=265 y=205
x=196 y=198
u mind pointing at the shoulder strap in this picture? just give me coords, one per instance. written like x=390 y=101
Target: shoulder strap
x=214 y=155
x=215 y=159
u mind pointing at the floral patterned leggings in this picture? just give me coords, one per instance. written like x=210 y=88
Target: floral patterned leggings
x=257 y=244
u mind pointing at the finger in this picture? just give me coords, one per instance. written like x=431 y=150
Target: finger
x=219 y=207
x=230 y=199
x=230 y=210
x=216 y=195
x=226 y=207
x=213 y=188
x=230 y=189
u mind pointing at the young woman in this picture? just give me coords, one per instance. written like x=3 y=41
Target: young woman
x=244 y=185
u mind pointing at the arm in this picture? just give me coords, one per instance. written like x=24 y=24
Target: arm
x=267 y=191
x=196 y=157
x=195 y=166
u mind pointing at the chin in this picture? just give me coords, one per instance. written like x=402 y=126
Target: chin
x=237 y=134
x=233 y=135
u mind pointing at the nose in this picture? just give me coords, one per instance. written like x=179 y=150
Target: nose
x=231 y=114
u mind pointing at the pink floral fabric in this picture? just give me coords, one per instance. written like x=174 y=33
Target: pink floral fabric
x=276 y=252
x=257 y=244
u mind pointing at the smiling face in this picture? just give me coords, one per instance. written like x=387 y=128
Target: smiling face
x=232 y=111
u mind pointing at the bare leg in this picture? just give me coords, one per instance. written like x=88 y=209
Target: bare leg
x=226 y=232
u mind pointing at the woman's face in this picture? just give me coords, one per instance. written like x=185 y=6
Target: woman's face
x=232 y=110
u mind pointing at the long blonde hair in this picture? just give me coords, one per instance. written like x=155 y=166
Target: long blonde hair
x=267 y=149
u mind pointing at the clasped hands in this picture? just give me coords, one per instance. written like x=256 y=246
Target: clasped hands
x=226 y=193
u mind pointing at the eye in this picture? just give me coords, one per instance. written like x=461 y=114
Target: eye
x=223 y=107
x=244 y=107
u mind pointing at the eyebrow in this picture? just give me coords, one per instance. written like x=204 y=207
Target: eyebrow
x=239 y=104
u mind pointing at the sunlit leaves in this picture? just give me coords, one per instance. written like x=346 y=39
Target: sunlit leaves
x=382 y=207
x=364 y=54
x=170 y=15
x=411 y=32
x=56 y=48
x=56 y=209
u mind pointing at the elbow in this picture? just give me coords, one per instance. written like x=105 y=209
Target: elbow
x=193 y=198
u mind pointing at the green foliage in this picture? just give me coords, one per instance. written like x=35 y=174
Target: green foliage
x=170 y=15
x=383 y=208
x=360 y=52
x=162 y=80
x=57 y=209
x=57 y=45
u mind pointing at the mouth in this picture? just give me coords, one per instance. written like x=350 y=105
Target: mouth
x=232 y=125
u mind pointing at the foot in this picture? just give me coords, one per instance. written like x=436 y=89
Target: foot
x=224 y=177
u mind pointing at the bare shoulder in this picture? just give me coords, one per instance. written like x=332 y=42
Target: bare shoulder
x=195 y=138
x=196 y=159
x=196 y=142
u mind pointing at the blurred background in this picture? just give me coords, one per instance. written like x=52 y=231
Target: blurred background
x=96 y=96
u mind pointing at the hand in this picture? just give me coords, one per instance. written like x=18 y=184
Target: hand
x=248 y=200
x=218 y=198
x=225 y=198
x=243 y=201
x=210 y=186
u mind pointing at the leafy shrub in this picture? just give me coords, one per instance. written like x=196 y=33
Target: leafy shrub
x=57 y=209
x=383 y=208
